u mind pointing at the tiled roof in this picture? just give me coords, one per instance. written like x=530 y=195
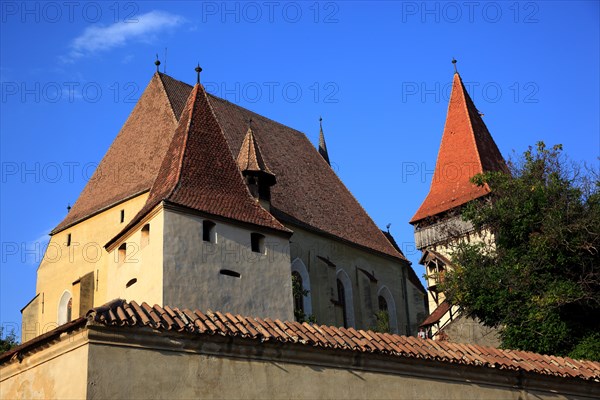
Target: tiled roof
x=131 y=164
x=437 y=314
x=200 y=173
x=308 y=193
x=122 y=314
x=250 y=157
x=467 y=149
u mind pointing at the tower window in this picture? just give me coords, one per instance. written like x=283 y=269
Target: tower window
x=68 y=239
x=122 y=253
x=131 y=282
x=257 y=242
x=145 y=236
x=209 y=231
x=122 y=216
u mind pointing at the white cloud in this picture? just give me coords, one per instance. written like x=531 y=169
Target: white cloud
x=96 y=39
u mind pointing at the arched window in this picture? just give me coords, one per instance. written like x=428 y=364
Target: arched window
x=297 y=290
x=209 y=231
x=344 y=289
x=299 y=268
x=145 y=236
x=382 y=304
x=387 y=303
x=65 y=306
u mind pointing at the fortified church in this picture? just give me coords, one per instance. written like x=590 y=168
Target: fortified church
x=191 y=294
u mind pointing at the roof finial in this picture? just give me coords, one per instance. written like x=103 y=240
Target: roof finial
x=250 y=123
x=68 y=207
x=454 y=62
x=157 y=62
x=198 y=70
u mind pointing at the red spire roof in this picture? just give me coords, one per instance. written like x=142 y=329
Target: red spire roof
x=467 y=149
x=200 y=173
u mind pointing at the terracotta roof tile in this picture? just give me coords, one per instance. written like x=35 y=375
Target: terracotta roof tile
x=118 y=313
x=467 y=148
x=131 y=164
x=437 y=314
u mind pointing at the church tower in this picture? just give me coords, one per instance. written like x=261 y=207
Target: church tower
x=467 y=149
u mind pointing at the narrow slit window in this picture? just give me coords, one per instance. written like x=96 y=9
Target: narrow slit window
x=229 y=272
x=122 y=253
x=122 y=216
x=257 y=242
x=68 y=239
x=209 y=231
x=342 y=301
x=131 y=282
x=145 y=236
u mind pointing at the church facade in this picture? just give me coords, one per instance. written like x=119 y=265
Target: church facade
x=201 y=203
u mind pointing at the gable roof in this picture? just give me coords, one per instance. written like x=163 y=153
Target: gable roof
x=131 y=164
x=308 y=193
x=199 y=172
x=121 y=315
x=467 y=148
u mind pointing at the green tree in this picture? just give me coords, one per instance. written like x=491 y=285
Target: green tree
x=539 y=280
x=7 y=342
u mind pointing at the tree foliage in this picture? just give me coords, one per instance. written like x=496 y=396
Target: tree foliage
x=539 y=279
x=9 y=341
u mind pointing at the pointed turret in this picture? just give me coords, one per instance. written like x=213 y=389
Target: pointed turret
x=199 y=172
x=467 y=149
x=322 y=145
x=254 y=169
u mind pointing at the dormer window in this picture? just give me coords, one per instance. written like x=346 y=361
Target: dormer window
x=257 y=242
x=209 y=231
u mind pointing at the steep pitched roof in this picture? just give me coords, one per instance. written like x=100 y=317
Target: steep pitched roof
x=121 y=315
x=322 y=144
x=200 y=173
x=250 y=157
x=467 y=149
x=308 y=193
x=131 y=164
x=437 y=314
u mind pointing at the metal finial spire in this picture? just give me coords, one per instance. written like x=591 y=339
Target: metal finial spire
x=157 y=62
x=454 y=63
x=68 y=207
x=198 y=70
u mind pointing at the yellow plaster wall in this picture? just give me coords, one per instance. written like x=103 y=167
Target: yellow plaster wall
x=56 y=372
x=62 y=265
x=144 y=263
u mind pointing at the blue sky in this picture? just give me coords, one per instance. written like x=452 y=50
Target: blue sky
x=378 y=73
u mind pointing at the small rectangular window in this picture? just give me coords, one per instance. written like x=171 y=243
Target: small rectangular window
x=122 y=216
x=145 y=236
x=208 y=231
x=257 y=242
x=68 y=239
